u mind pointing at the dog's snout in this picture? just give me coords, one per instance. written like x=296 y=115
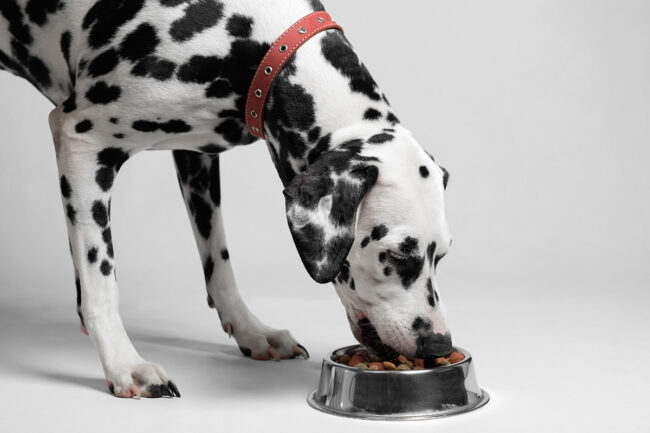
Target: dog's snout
x=433 y=345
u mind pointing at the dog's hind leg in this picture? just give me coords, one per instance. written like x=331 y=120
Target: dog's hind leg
x=198 y=175
x=87 y=171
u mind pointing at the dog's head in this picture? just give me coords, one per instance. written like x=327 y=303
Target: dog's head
x=369 y=217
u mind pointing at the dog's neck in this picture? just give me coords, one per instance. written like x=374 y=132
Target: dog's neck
x=322 y=98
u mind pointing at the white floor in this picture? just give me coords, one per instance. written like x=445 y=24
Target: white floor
x=552 y=360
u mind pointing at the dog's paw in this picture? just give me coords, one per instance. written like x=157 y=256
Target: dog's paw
x=140 y=379
x=263 y=343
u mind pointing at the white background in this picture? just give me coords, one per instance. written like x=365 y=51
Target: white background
x=539 y=109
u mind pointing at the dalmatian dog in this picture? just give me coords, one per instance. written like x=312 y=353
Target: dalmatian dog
x=364 y=201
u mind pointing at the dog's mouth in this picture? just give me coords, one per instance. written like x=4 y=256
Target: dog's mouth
x=371 y=340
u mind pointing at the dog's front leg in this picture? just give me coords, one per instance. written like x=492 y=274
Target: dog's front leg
x=86 y=174
x=198 y=175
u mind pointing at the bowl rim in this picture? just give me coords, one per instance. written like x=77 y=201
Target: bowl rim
x=328 y=359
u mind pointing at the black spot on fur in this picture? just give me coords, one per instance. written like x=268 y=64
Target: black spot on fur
x=119 y=135
x=71 y=213
x=445 y=177
x=421 y=324
x=37 y=10
x=225 y=255
x=202 y=212
x=17 y=27
x=106 y=17
x=172 y=3
x=174 y=126
x=314 y=134
x=208 y=269
x=64 y=43
x=114 y=120
x=240 y=26
x=107 y=236
x=380 y=138
x=103 y=63
x=154 y=67
x=408 y=245
x=139 y=43
x=105 y=177
x=371 y=114
x=199 y=16
x=219 y=89
x=112 y=157
x=38 y=71
x=92 y=255
x=382 y=257
x=424 y=171
x=66 y=190
x=83 y=126
x=431 y=249
x=392 y=118
x=432 y=296
x=352 y=285
x=338 y=51
x=70 y=104
x=106 y=267
x=437 y=259
x=379 y=232
x=212 y=148
x=101 y=93
x=388 y=271
x=100 y=213
x=365 y=242
x=200 y=69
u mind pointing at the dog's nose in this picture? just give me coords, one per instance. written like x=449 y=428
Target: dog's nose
x=433 y=345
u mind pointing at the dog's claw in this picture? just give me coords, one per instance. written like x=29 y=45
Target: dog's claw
x=210 y=302
x=172 y=386
x=228 y=329
x=300 y=350
x=83 y=329
x=274 y=354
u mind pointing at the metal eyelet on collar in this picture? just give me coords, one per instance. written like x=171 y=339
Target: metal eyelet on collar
x=258 y=93
x=254 y=114
x=256 y=129
x=320 y=20
x=268 y=70
x=283 y=48
x=302 y=30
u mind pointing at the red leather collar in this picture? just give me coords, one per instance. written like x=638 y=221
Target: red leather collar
x=280 y=52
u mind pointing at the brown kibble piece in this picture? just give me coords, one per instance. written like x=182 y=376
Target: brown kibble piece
x=355 y=360
x=456 y=357
x=418 y=367
x=389 y=366
x=418 y=362
x=403 y=367
x=402 y=359
x=376 y=366
x=362 y=365
x=344 y=359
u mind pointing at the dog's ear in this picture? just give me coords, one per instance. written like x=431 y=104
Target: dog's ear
x=322 y=206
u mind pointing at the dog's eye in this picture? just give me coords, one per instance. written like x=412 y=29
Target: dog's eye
x=397 y=257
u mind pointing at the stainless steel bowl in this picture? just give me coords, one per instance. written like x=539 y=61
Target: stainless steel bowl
x=396 y=395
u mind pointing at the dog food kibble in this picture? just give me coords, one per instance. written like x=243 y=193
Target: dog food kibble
x=364 y=360
x=456 y=357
